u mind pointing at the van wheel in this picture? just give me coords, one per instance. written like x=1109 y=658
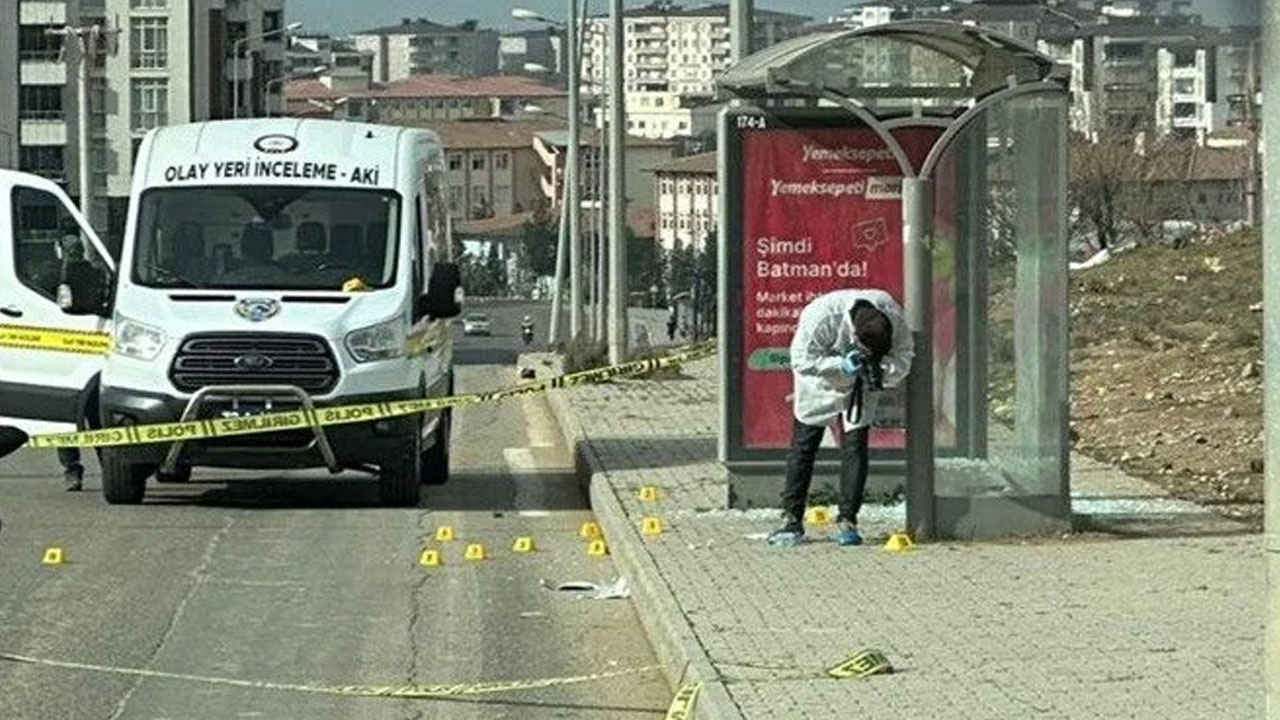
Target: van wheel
x=123 y=483
x=399 y=477
x=435 y=461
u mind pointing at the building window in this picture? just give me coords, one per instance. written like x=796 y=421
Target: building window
x=100 y=155
x=43 y=160
x=501 y=161
x=455 y=199
x=1184 y=86
x=272 y=20
x=40 y=102
x=148 y=42
x=455 y=162
x=148 y=4
x=477 y=162
x=36 y=44
x=150 y=101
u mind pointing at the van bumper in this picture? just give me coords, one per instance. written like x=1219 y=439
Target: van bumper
x=354 y=445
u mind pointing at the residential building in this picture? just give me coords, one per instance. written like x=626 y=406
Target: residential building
x=878 y=12
x=491 y=166
x=539 y=46
x=427 y=98
x=640 y=154
x=424 y=47
x=687 y=200
x=164 y=62
x=346 y=68
x=673 y=54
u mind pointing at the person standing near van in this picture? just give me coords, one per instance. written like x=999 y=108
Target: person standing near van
x=849 y=346
x=72 y=469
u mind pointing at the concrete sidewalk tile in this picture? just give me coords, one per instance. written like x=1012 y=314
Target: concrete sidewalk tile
x=1080 y=628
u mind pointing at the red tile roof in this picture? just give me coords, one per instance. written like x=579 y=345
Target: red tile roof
x=488 y=133
x=432 y=86
x=701 y=164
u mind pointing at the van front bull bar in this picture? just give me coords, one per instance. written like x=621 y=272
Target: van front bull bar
x=250 y=392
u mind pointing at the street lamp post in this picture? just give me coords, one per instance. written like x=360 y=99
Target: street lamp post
x=235 y=61
x=289 y=78
x=617 y=191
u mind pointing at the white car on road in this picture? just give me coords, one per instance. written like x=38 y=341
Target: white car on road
x=475 y=324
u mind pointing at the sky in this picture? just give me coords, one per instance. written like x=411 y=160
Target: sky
x=338 y=17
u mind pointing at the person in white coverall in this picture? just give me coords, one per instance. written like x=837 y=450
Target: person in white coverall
x=849 y=346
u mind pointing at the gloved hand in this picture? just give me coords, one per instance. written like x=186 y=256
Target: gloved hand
x=852 y=363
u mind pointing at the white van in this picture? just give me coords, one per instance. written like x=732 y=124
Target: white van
x=267 y=265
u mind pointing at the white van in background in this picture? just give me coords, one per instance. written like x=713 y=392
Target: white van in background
x=270 y=265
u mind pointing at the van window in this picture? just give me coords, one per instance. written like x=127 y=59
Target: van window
x=266 y=236
x=46 y=236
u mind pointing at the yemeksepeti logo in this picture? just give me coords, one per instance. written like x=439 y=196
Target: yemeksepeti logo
x=276 y=144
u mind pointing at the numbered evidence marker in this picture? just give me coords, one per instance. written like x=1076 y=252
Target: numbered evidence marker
x=523 y=544
x=863 y=664
x=819 y=516
x=597 y=548
x=429 y=558
x=474 y=552
x=648 y=493
x=444 y=533
x=651 y=526
x=53 y=556
x=589 y=531
x=899 y=542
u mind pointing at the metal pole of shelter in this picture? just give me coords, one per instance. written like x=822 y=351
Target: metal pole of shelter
x=572 y=195
x=602 y=285
x=1271 y=347
x=917 y=211
x=88 y=49
x=617 y=191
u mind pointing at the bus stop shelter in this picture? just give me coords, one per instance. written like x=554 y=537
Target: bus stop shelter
x=927 y=159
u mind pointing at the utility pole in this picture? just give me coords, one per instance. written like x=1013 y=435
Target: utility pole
x=87 y=42
x=602 y=287
x=1251 y=209
x=573 y=196
x=617 y=191
x=741 y=16
x=1270 y=15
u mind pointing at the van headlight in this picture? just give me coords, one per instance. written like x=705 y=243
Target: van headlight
x=136 y=340
x=383 y=341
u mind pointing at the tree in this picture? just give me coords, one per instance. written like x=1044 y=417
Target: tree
x=681 y=262
x=644 y=263
x=1099 y=172
x=538 y=239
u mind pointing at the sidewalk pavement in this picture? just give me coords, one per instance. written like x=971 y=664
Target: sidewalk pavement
x=1166 y=624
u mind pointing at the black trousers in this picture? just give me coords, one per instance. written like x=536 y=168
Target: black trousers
x=805 y=441
x=70 y=458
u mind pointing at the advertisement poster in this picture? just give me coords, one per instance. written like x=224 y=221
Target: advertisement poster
x=822 y=211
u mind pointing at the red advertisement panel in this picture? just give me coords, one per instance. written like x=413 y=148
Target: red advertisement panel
x=822 y=211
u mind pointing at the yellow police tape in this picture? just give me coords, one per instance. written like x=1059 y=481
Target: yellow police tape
x=393 y=691
x=865 y=663
x=345 y=414
x=36 y=338
x=683 y=704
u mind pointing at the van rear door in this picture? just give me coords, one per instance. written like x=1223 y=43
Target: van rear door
x=49 y=357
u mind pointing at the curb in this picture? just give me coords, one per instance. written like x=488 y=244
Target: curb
x=681 y=655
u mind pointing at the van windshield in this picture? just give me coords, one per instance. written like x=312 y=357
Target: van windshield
x=266 y=237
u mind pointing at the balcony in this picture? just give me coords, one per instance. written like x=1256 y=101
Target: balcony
x=650 y=34
x=43 y=131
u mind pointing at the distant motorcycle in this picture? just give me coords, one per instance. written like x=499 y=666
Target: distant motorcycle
x=528 y=335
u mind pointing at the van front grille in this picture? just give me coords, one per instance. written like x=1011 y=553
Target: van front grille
x=253 y=359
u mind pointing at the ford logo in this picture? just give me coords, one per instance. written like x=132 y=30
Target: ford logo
x=276 y=144
x=257 y=309
x=253 y=362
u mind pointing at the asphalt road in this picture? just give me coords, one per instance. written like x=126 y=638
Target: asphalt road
x=301 y=579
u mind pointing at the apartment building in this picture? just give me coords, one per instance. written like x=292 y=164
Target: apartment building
x=640 y=154
x=491 y=167
x=346 y=67
x=162 y=62
x=424 y=47
x=686 y=205
x=673 y=54
x=539 y=46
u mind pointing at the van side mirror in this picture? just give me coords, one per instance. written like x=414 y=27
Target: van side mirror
x=441 y=301
x=84 y=289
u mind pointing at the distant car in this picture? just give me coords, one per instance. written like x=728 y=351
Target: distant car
x=475 y=324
